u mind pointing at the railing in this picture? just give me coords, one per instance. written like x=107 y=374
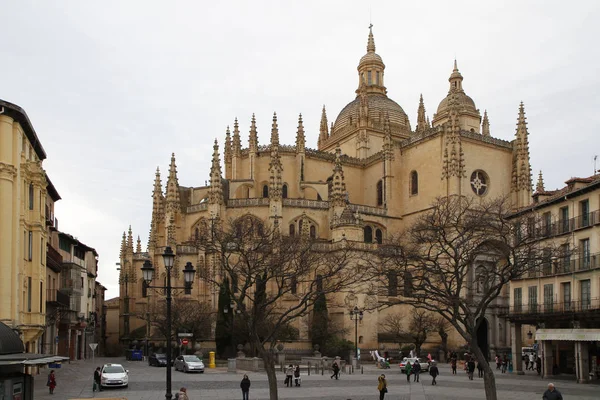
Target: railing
x=556 y=308
x=568 y=264
x=53 y=259
x=304 y=203
x=253 y=202
x=186 y=249
x=57 y=297
x=367 y=209
x=569 y=225
x=197 y=207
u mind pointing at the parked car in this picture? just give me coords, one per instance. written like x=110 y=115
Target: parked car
x=189 y=364
x=424 y=364
x=158 y=360
x=114 y=375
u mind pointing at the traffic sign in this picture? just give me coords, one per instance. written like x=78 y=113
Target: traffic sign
x=184 y=342
x=93 y=346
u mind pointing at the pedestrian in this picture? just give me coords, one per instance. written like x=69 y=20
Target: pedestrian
x=470 y=368
x=551 y=393
x=531 y=362
x=408 y=370
x=434 y=372
x=336 y=370
x=453 y=364
x=479 y=369
x=297 y=379
x=51 y=382
x=538 y=365
x=504 y=364
x=526 y=357
x=498 y=362
x=416 y=370
x=289 y=372
x=382 y=386
x=245 y=386
x=97 y=380
x=182 y=395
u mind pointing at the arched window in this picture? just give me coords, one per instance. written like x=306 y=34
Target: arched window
x=378 y=236
x=292 y=229
x=284 y=191
x=31 y=196
x=392 y=283
x=313 y=232
x=414 y=183
x=368 y=233
x=265 y=191
x=360 y=338
x=380 y=193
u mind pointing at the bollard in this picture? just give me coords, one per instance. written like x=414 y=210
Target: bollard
x=309 y=368
x=362 y=371
x=352 y=366
x=322 y=370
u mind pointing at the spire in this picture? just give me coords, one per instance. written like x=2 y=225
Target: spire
x=485 y=126
x=237 y=142
x=521 y=173
x=539 y=188
x=138 y=247
x=129 y=241
x=157 y=191
x=323 y=132
x=227 y=150
x=371 y=41
x=253 y=139
x=421 y=121
x=274 y=134
x=123 y=246
x=172 y=187
x=300 y=138
x=158 y=209
x=215 y=191
x=455 y=79
x=338 y=189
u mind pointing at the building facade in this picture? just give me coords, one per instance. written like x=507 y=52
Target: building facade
x=371 y=175
x=559 y=305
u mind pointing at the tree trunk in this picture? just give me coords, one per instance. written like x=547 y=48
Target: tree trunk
x=489 y=380
x=269 y=362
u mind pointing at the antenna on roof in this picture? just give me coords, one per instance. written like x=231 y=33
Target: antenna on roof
x=595 y=159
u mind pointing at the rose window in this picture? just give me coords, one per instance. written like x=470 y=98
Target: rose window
x=479 y=182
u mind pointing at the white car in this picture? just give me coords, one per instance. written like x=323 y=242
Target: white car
x=114 y=375
x=189 y=363
x=424 y=364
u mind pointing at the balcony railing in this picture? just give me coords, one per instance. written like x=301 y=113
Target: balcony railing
x=253 y=202
x=57 y=298
x=569 y=225
x=556 y=308
x=569 y=264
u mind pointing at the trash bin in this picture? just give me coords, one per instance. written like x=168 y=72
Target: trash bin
x=137 y=355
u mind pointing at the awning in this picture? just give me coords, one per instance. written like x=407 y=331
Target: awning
x=30 y=359
x=577 y=335
x=45 y=360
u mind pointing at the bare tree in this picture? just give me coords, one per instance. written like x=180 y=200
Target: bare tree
x=436 y=257
x=413 y=328
x=275 y=279
x=190 y=316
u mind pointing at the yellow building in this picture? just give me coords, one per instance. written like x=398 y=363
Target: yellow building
x=370 y=176
x=559 y=306
x=22 y=226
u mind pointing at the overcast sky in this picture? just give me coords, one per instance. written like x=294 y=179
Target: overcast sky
x=113 y=87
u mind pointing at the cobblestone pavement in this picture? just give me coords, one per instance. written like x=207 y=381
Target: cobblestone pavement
x=148 y=383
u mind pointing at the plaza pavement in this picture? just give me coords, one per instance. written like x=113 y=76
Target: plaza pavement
x=74 y=381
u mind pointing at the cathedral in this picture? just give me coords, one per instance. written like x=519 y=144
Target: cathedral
x=372 y=173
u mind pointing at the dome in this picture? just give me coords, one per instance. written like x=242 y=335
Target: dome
x=464 y=101
x=379 y=105
x=370 y=57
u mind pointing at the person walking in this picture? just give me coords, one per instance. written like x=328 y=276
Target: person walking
x=336 y=370
x=289 y=372
x=498 y=362
x=479 y=369
x=51 y=382
x=416 y=370
x=504 y=364
x=470 y=368
x=538 y=365
x=526 y=357
x=551 y=393
x=434 y=372
x=453 y=365
x=382 y=386
x=531 y=362
x=297 y=379
x=182 y=395
x=97 y=380
x=408 y=370
x=245 y=386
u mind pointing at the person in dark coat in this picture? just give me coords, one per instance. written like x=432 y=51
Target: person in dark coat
x=336 y=370
x=434 y=372
x=538 y=365
x=416 y=371
x=297 y=375
x=470 y=368
x=245 y=386
x=408 y=369
x=453 y=364
x=479 y=369
x=97 y=380
x=552 y=393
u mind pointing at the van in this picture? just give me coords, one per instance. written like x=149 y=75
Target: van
x=526 y=351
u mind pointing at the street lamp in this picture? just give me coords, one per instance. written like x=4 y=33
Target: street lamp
x=234 y=310
x=356 y=315
x=188 y=277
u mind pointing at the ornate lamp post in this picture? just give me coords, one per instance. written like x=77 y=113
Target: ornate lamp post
x=188 y=276
x=356 y=315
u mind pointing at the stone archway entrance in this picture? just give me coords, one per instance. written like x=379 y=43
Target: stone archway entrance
x=483 y=338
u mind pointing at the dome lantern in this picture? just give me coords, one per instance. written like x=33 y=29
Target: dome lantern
x=370 y=68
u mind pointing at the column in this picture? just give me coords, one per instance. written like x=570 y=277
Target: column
x=517 y=358
x=547 y=358
x=582 y=362
x=8 y=244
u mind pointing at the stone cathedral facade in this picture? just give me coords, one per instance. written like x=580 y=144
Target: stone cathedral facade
x=371 y=174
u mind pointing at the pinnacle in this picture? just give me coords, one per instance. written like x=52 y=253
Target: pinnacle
x=371 y=41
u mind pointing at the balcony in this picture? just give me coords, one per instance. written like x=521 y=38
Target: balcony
x=585 y=309
x=53 y=259
x=57 y=298
x=568 y=265
x=569 y=225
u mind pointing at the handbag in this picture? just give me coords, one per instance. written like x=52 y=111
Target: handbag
x=385 y=390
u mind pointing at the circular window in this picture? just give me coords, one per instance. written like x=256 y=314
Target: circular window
x=479 y=182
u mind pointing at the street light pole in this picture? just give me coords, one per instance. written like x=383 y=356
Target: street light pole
x=188 y=275
x=356 y=315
